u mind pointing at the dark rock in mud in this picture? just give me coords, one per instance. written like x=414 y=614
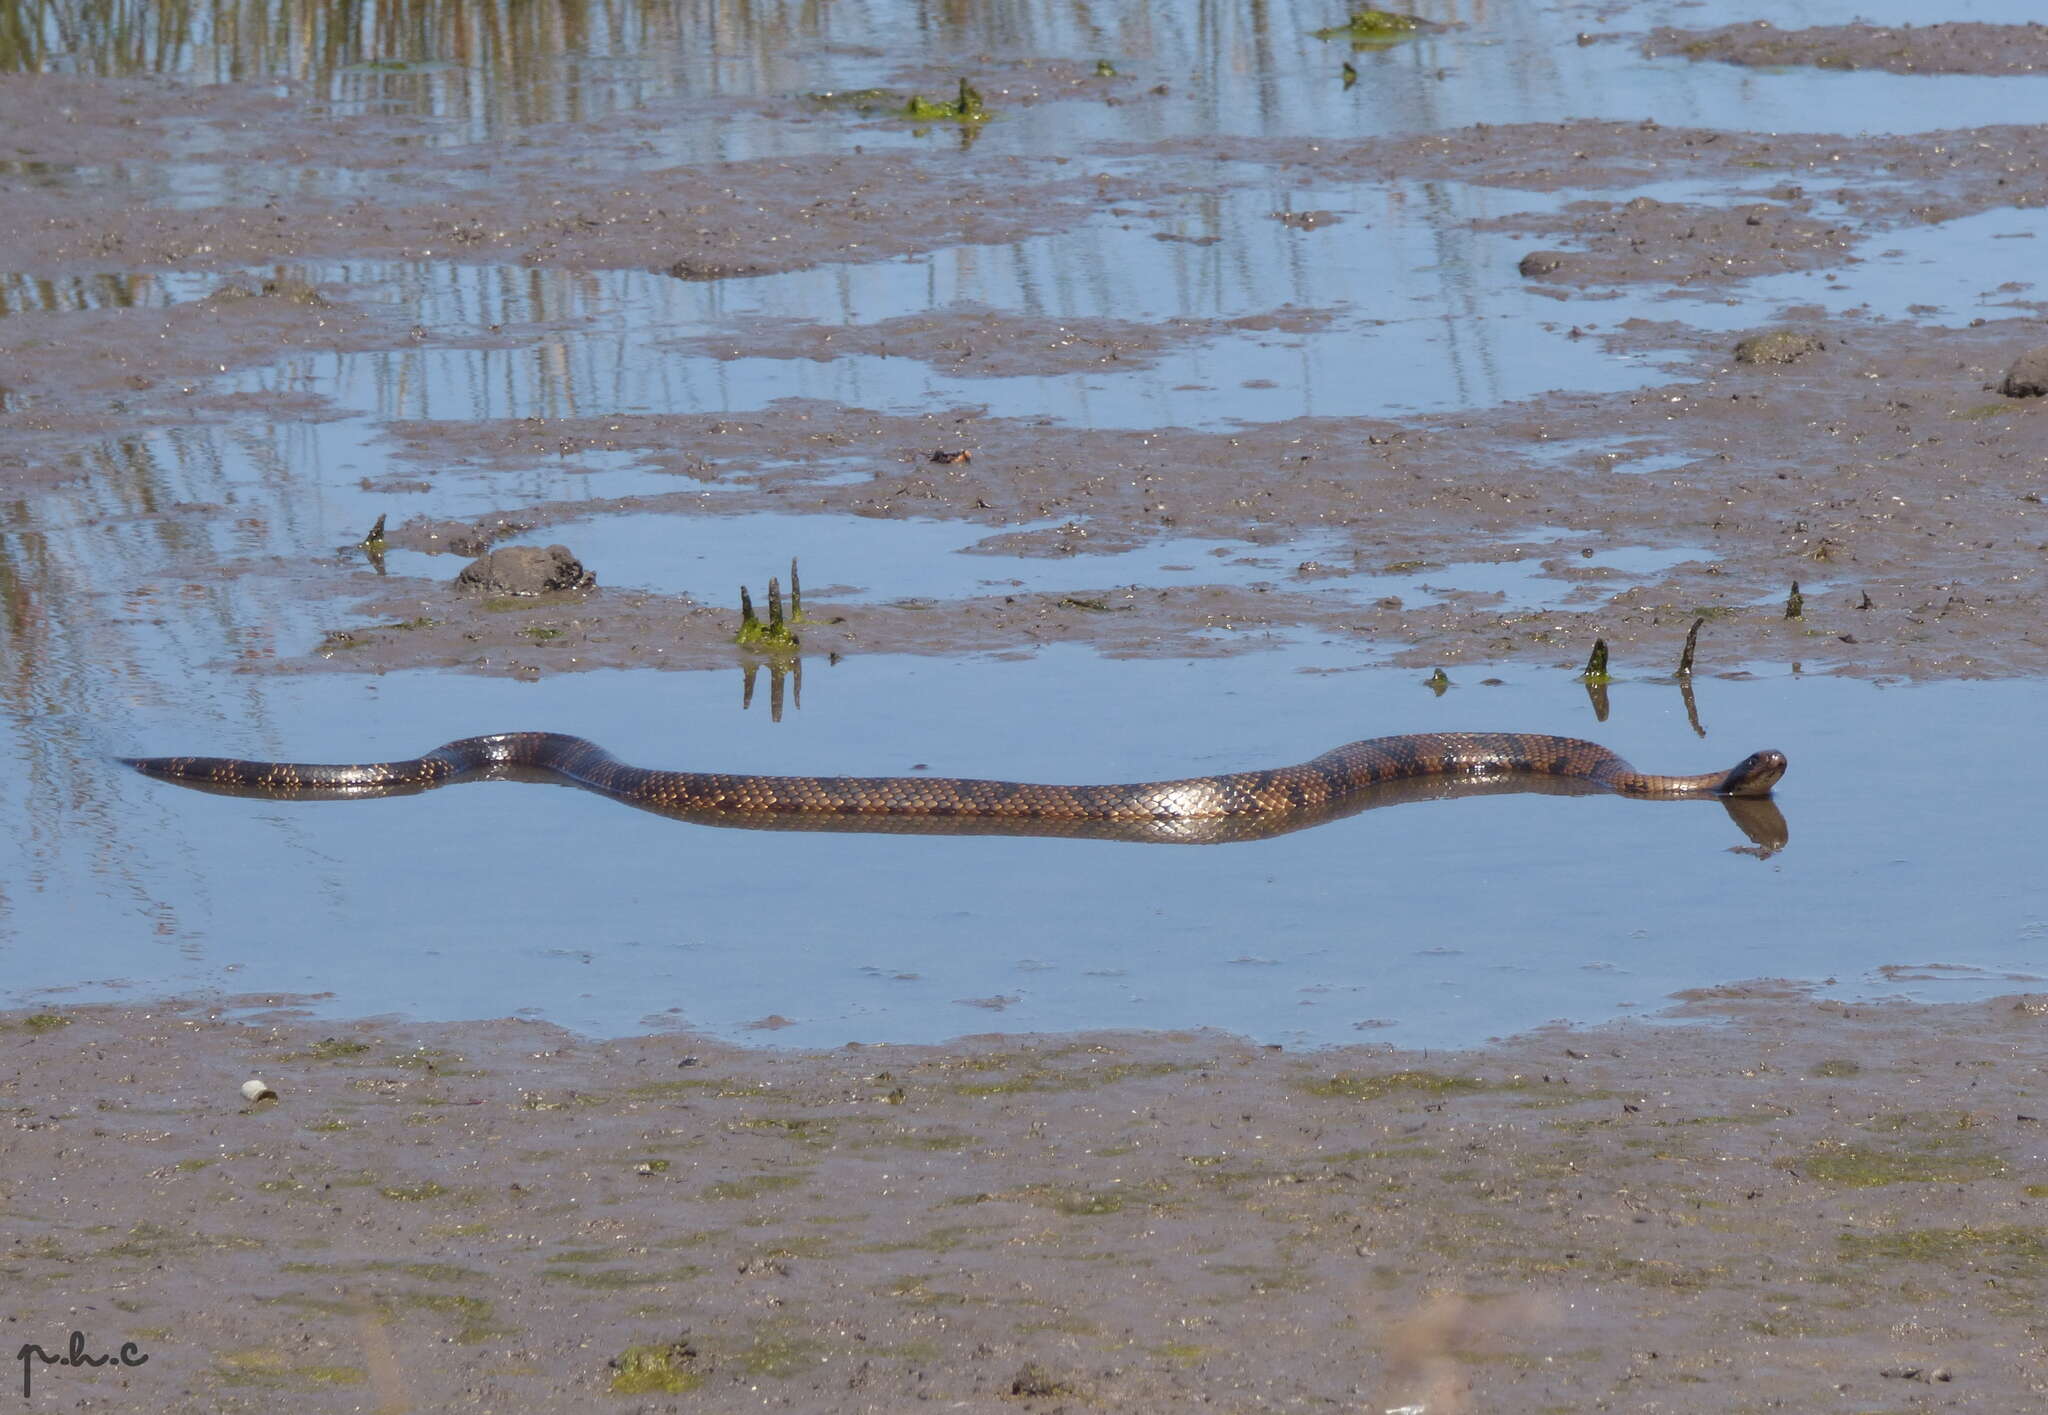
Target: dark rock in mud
x=1779 y=346
x=1946 y=48
x=1539 y=264
x=525 y=570
x=2028 y=376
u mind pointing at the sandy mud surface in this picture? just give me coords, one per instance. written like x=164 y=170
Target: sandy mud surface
x=1947 y=47
x=1786 y=1202
x=1887 y=473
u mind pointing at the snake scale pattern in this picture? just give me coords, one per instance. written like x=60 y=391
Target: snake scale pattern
x=1237 y=805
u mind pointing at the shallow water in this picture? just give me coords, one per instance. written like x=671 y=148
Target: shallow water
x=1432 y=923
x=1427 y=924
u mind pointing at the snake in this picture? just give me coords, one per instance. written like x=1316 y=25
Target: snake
x=1201 y=809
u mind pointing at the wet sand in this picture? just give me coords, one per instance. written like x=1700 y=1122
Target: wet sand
x=1777 y=1201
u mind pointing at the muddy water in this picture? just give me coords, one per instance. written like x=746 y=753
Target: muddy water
x=176 y=557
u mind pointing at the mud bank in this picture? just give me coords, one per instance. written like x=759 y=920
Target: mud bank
x=1780 y=1201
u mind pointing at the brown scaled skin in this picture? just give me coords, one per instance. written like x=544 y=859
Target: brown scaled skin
x=1240 y=805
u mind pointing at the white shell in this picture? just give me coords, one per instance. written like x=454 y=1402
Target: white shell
x=253 y=1090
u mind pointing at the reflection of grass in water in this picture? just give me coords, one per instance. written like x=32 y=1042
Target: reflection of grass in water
x=350 y=47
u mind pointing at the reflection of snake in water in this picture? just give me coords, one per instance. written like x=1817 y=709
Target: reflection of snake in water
x=1204 y=809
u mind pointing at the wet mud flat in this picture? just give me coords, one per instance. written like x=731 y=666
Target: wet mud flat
x=1892 y=459
x=1783 y=1201
x=1760 y=1200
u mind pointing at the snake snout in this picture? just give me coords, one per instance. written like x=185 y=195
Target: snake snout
x=1755 y=775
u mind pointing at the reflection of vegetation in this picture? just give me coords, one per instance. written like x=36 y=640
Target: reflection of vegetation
x=479 y=59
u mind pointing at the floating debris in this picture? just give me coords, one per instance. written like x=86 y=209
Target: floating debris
x=254 y=1091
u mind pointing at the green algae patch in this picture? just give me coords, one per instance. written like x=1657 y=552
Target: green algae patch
x=1361 y=1086
x=1042 y=1079
x=1953 y=1247
x=413 y=1193
x=1369 y=29
x=1860 y=1167
x=967 y=107
x=1074 y=1203
x=941 y=1239
x=41 y=1022
x=811 y=1129
x=1836 y=1068
x=665 y=1369
x=264 y=1366
x=753 y=1186
x=429 y=1059
x=781 y=1355
x=621 y=1279
x=329 y=1049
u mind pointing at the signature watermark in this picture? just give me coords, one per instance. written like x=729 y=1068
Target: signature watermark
x=74 y=1354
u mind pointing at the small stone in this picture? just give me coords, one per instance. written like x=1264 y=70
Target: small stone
x=2028 y=376
x=1034 y=1380
x=1537 y=264
x=525 y=570
x=1780 y=346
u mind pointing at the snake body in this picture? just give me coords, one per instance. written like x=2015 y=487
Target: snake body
x=1237 y=805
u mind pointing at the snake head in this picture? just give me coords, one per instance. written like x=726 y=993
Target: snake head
x=1754 y=775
